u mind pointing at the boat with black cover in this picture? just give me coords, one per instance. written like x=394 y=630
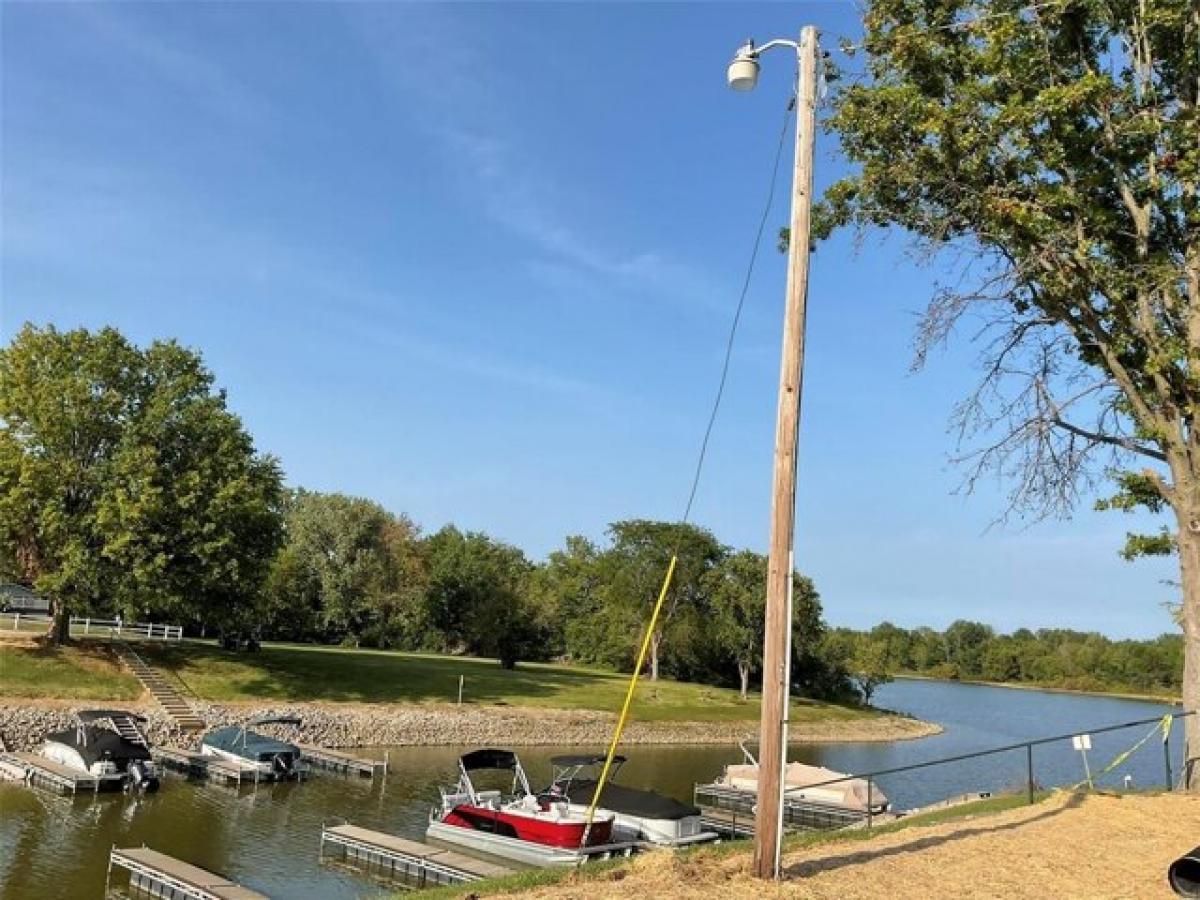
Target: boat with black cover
x=274 y=759
x=108 y=744
x=638 y=815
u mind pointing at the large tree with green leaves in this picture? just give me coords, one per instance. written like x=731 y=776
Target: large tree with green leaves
x=348 y=569
x=126 y=484
x=476 y=596
x=634 y=567
x=1052 y=152
x=735 y=598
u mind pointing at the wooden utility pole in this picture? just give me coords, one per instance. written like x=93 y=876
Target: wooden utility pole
x=776 y=665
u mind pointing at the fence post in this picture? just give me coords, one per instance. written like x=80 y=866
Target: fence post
x=87 y=625
x=1029 y=769
x=870 y=784
x=16 y=621
x=1167 y=757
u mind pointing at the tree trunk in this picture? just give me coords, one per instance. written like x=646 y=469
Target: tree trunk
x=61 y=629
x=744 y=674
x=655 y=640
x=1189 y=570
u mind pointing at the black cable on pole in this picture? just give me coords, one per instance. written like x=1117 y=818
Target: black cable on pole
x=737 y=315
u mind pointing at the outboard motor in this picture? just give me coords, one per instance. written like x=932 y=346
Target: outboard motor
x=282 y=764
x=1184 y=874
x=141 y=779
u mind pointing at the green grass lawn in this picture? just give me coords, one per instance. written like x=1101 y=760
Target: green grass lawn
x=305 y=672
x=292 y=672
x=84 y=672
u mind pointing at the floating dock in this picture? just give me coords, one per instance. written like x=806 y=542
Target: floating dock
x=731 y=812
x=159 y=875
x=41 y=772
x=337 y=761
x=414 y=863
x=189 y=762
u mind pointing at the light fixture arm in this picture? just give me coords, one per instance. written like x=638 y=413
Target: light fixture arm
x=771 y=45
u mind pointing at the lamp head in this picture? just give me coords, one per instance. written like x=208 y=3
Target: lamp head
x=743 y=70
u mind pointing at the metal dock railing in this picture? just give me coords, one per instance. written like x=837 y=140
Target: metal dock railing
x=345 y=763
x=159 y=875
x=411 y=862
x=41 y=772
x=730 y=811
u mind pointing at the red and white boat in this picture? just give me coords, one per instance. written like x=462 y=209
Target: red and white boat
x=519 y=825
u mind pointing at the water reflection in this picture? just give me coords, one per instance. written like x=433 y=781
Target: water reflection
x=268 y=837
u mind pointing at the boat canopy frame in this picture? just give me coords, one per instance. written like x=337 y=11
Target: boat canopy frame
x=294 y=721
x=490 y=758
x=91 y=717
x=568 y=766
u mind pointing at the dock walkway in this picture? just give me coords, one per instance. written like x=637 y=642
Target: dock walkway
x=190 y=762
x=41 y=772
x=417 y=864
x=164 y=876
x=337 y=761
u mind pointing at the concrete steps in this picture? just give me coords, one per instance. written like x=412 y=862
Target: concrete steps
x=163 y=691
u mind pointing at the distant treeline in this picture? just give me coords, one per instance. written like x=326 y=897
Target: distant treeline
x=1052 y=657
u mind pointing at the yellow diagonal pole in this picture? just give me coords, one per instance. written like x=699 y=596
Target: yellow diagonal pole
x=633 y=682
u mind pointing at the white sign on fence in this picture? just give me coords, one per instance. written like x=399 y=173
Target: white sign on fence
x=1082 y=742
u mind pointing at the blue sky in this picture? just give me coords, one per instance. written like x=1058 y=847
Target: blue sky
x=478 y=261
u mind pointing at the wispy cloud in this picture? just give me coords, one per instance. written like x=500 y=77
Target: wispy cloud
x=501 y=167
x=116 y=30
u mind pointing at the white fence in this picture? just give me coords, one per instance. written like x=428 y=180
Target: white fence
x=16 y=621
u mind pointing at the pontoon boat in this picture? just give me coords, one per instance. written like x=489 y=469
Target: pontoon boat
x=106 y=742
x=273 y=758
x=519 y=825
x=638 y=815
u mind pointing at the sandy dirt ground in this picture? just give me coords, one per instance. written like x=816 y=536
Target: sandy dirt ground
x=1094 y=846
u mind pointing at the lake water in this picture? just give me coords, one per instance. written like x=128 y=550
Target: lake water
x=268 y=837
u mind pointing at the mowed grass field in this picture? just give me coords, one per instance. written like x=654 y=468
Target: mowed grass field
x=85 y=671
x=291 y=672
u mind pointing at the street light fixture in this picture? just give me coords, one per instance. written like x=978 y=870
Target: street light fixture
x=772 y=755
x=743 y=69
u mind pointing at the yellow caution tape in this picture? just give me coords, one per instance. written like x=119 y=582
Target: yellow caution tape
x=1163 y=726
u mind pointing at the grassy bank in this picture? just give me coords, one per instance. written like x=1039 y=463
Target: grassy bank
x=83 y=672
x=290 y=672
x=1089 y=688
x=303 y=673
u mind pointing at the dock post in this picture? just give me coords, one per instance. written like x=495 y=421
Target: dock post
x=870 y=783
x=1029 y=770
x=1167 y=757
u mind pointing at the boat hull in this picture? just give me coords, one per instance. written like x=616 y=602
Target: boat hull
x=266 y=768
x=550 y=833
x=517 y=850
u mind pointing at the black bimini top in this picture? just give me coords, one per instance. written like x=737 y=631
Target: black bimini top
x=488 y=758
x=621 y=799
x=99 y=715
x=582 y=759
x=100 y=744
